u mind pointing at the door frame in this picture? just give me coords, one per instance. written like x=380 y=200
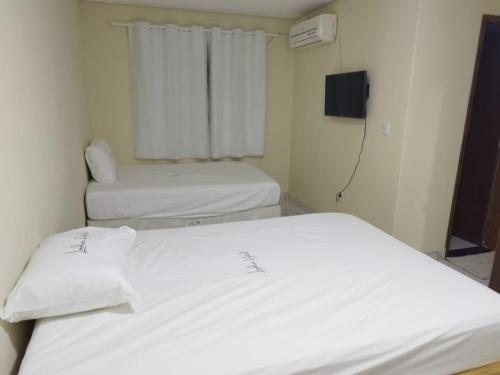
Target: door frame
x=486 y=20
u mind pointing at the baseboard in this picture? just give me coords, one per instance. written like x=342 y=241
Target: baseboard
x=467 y=251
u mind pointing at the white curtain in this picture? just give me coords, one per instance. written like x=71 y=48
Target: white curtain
x=169 y=78
x=237 y=93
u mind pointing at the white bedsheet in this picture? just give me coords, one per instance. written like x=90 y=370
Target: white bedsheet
x=181 y=190
x=312 y=294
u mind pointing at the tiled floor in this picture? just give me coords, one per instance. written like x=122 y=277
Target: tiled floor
x=477 y=267
x=291 y=207
x=480 y=265
x=459 y=243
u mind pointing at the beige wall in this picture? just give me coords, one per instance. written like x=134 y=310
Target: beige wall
x=44 y=129
x=420 y=57
x=377 y=36
x=107 y=71
x=448 y=35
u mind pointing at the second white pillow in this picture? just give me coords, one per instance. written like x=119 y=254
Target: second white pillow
x=101 y=162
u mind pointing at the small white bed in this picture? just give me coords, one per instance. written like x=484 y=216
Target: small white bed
x=171 y=195
x=312 y=294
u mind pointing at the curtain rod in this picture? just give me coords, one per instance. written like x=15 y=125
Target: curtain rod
x=127 y=24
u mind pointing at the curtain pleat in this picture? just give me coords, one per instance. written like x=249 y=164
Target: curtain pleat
x=169 y=78
x=237 y=93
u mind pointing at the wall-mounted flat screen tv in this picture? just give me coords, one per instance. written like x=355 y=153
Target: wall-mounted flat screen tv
x=346 y=94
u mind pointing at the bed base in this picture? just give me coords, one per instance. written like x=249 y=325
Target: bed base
x=162 y=222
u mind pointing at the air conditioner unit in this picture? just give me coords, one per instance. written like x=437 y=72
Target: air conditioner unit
x=314 y=31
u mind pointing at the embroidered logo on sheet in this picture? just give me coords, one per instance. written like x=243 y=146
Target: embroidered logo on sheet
x=250 y=262
x=80 y=245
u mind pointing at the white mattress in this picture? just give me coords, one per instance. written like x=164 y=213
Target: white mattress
x=181 y=190
x=312 y=294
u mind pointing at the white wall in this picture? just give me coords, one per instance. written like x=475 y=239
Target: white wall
x=43 y=122
x=377 y=36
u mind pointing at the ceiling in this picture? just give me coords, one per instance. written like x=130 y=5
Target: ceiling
x=267 y=8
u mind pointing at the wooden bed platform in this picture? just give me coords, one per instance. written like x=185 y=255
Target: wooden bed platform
x=493 y=369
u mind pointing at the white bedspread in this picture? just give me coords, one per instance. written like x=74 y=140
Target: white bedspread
x=312 y=294
x=181 y=190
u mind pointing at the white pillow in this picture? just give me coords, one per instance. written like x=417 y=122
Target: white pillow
x=104 y=145
x=80 y=270
x=101 y=162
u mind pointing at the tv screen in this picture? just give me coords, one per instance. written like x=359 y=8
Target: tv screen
x=346 y=94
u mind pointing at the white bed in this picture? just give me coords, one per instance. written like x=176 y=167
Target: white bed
x=312 y=294
x=170 y=195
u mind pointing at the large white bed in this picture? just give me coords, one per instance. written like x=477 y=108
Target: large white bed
x=171 y=195
x=312 y=294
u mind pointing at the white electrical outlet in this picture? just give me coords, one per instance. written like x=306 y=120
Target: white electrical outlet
x=387 y=128
x=339 y=197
